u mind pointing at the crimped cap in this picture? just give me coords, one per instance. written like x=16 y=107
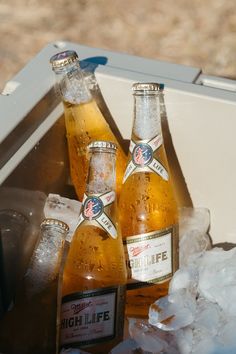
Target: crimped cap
x=103 y=145
x=55 y=222
x=147 y=86
x=62 y=59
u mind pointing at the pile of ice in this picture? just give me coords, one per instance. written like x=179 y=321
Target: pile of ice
x=199 y=314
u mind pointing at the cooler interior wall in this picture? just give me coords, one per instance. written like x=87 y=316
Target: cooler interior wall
x=44 y=170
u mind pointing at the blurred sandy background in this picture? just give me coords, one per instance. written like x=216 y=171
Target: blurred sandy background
x=200 y=33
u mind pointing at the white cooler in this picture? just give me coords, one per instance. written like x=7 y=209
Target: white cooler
x=199 y=133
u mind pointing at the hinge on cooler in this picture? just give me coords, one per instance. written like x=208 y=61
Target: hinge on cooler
x=216 y=82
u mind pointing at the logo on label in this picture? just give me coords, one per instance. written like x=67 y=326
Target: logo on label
x=77 y=308
x=95 y=211
x=135 y=251
x=142 y=154
x=93 y=207
x=143 y=159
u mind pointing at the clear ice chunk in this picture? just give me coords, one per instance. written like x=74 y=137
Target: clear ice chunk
x=173 y=311
x=149 y=338
x=217 y=278
x=193 y=228
x=64 y=209
x=203 y=343
x=185 y=278
x=128 y=346
x=184 y=340
x=208 y=317
x=223 y=350
x=227 y=333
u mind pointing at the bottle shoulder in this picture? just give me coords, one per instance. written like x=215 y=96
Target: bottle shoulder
x=146 y=204
x=147 y=186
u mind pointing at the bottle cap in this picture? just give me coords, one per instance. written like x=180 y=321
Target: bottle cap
x=102 y=144
x=55 y=222
x=147 y=86
x=62 y=59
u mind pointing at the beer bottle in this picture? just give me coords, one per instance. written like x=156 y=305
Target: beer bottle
x=31 y=325
x=147 y=207
x=94 y=277
x=83 y=119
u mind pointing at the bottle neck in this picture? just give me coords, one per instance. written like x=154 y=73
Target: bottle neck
x=102 y=172
x=147 y=118
x=71 y=84
x=44 y=265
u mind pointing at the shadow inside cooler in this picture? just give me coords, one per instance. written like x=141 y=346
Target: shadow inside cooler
x=22 y=198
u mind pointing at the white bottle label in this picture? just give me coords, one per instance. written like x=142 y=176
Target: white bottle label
x=91 y=317
x=149 y=257
x=94 y=212
x=143 y=159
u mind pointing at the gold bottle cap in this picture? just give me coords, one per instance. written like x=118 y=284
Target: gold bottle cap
x=102 y=144
x=55 y=222
x=147 y=86
x=62 y=59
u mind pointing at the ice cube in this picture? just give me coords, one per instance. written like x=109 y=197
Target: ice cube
x=208 y=317
x=185 y=278
x=148 y=338
x=194 y=219
x=217 y=278
x=64 y=209
x=194 y=225
x=128 y=346
x=227 y=333
x=223 y=350
x=203 y=343
x=184 y=340
x=173 y=311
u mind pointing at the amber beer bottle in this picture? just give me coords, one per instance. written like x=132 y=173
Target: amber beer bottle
x=147 y=207
x=83 y=119
x=94 y=277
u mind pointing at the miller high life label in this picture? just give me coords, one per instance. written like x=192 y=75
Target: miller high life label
x=143 y=159
x=149 y=257
x=94 y=209
x=92 y=316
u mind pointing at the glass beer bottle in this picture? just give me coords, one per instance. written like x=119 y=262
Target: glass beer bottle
x=83 y=119
x=94 y=277
x=31 y=325
x=147 y=207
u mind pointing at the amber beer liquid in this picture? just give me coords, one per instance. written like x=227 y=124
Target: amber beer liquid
x=147 y=207
x=83 y=119
x=94 y=277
